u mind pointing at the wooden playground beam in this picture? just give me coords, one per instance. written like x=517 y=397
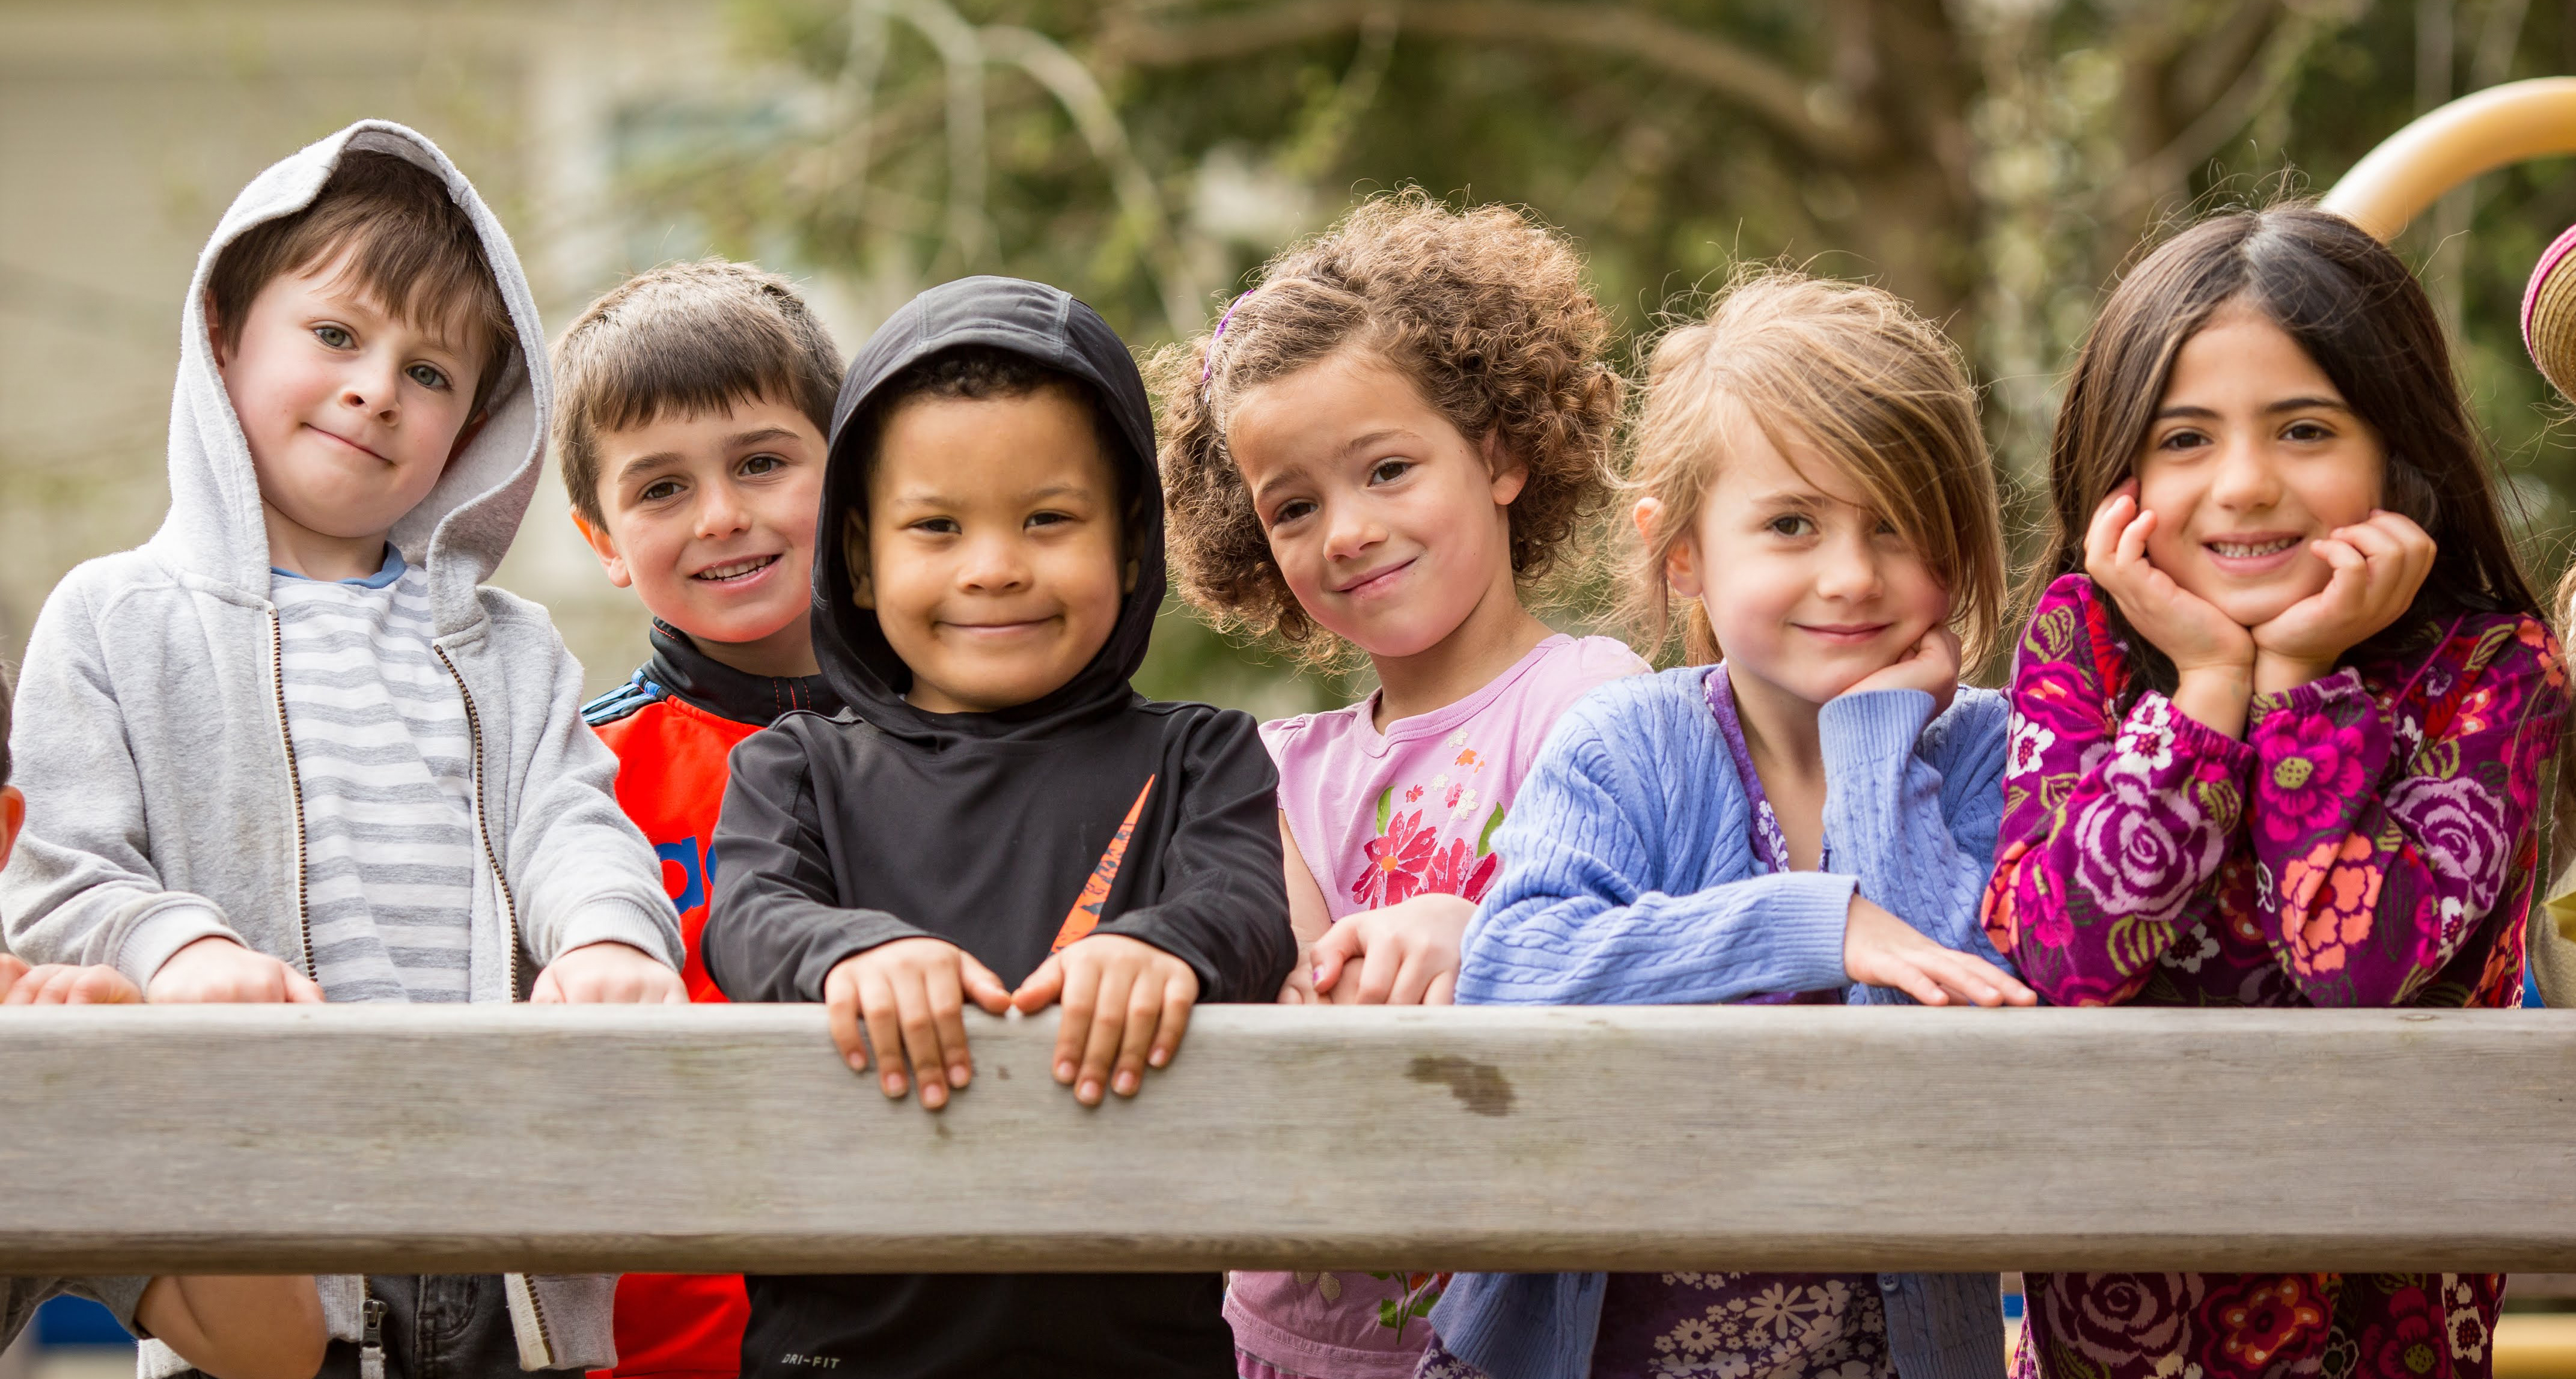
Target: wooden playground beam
x=526 y=1138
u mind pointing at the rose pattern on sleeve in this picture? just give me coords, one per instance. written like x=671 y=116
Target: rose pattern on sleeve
x=2373 y=842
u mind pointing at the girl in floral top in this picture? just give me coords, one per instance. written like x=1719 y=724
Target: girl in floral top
x=2279 y=723
x=1379 y=447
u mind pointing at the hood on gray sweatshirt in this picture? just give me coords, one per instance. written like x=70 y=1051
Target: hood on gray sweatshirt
x=462 y=529
x=150 y=732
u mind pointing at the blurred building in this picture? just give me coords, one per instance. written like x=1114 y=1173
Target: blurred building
x=126 y=126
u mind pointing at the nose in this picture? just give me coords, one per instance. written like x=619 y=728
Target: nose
x=1847 y=568
x=2245 y=478
x=372 y=385
x=1350 y=529
x=993 y=564
x=720 y=511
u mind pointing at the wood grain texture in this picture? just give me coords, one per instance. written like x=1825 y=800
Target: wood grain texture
x=402 y=1140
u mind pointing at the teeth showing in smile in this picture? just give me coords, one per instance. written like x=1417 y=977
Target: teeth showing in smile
x=2238 y=550
x=737 y=569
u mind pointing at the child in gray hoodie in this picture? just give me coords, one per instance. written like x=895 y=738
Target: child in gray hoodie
x=293 y=747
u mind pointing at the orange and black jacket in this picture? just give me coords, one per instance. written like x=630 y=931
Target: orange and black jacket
x=1088 y=810
x=673 y=727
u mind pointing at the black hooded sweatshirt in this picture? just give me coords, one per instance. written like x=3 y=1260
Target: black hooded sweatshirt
x=990 y=831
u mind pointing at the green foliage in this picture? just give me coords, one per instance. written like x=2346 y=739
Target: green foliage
x=1996 y=160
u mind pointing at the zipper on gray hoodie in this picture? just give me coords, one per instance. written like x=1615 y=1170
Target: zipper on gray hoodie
x=151 y=737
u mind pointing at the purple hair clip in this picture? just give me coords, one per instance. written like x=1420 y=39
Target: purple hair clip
x=1207 y=366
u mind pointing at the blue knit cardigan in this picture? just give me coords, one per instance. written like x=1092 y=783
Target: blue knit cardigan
x=1629 y=879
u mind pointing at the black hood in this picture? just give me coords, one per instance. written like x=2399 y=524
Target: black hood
x=1047 y=325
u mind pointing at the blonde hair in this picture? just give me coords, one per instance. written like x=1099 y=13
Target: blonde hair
x=1483 y=310
x=1852 y=371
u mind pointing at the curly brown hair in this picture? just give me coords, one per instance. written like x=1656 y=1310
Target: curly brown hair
x=1486 y=312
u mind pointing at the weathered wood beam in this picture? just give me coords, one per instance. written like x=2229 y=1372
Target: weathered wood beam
x=1805 y=1138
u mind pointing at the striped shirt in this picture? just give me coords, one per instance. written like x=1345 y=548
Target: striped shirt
x=384 y=760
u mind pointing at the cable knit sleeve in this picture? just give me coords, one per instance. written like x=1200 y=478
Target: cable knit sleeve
x=2383 y=843
x=1919 y=837
x=1630 y=880
x=2110 y=824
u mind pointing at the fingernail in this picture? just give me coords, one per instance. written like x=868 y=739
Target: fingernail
x=1089 y=1093
x=933 y=1096
x=894 y=1086
x=1126 y=1084
x=858 y=1062
x=960 y=1075
x=1159 y=1057
x=1064 y=1071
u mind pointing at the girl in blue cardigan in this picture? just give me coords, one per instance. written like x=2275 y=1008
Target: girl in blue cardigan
x=1810 y=820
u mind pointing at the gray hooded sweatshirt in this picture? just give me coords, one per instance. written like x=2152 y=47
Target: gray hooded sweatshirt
x=151 y=737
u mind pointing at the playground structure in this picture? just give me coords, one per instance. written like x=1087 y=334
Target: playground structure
x=724 y=1138
x=713 y=1138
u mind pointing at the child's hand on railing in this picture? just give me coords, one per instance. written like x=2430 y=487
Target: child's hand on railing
x=60 y=984
x=1126 y=1005
x=217 y=969
x=1407 y=953
x=909 y=997
x=608 y=973
x=1299 y=989
x=1880 y=949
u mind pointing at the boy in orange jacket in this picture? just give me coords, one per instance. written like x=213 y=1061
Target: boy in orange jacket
x=692 y=406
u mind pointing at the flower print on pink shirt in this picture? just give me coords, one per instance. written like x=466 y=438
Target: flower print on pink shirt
x=1381 y=818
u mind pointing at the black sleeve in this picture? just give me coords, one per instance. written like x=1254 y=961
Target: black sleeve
x=774 y=933
x=1224 y=893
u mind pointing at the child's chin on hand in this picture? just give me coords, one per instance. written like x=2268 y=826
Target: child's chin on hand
x=608 y=973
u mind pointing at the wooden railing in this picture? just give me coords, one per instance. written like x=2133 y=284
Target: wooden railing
x=390 y=1139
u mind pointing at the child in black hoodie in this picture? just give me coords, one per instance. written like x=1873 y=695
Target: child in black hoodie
x=1001 y=817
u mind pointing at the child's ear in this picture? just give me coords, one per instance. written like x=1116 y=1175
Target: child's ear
x=1681 y=563
x=215 y=332
x=603 y=543
x=1510 y=471
x=854 y=551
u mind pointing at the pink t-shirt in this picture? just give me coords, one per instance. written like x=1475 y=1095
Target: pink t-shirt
x=1380 y=818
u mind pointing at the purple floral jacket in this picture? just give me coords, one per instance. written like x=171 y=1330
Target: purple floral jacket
x=2372 y=842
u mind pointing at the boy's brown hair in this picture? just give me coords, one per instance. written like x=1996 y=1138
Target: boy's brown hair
x=1483 y=309
x=405 y=242
x=1852 y=372
x=685 y=338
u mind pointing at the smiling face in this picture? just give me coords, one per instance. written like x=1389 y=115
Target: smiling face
x=709 y=516
x=2252 y=455
x=1389 y=526
x=350 y=411
x=1808 y=588
x=991 y=547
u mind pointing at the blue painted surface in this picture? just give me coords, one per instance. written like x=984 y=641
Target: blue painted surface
x=78 y=1321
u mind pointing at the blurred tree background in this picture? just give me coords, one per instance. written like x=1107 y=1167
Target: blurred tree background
x=1996 y=161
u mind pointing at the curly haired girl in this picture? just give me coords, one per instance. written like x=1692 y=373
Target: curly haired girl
x=2279 y=724
x=1380 y=446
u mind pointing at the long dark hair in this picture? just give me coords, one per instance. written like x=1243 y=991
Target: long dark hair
x=2357 y=311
